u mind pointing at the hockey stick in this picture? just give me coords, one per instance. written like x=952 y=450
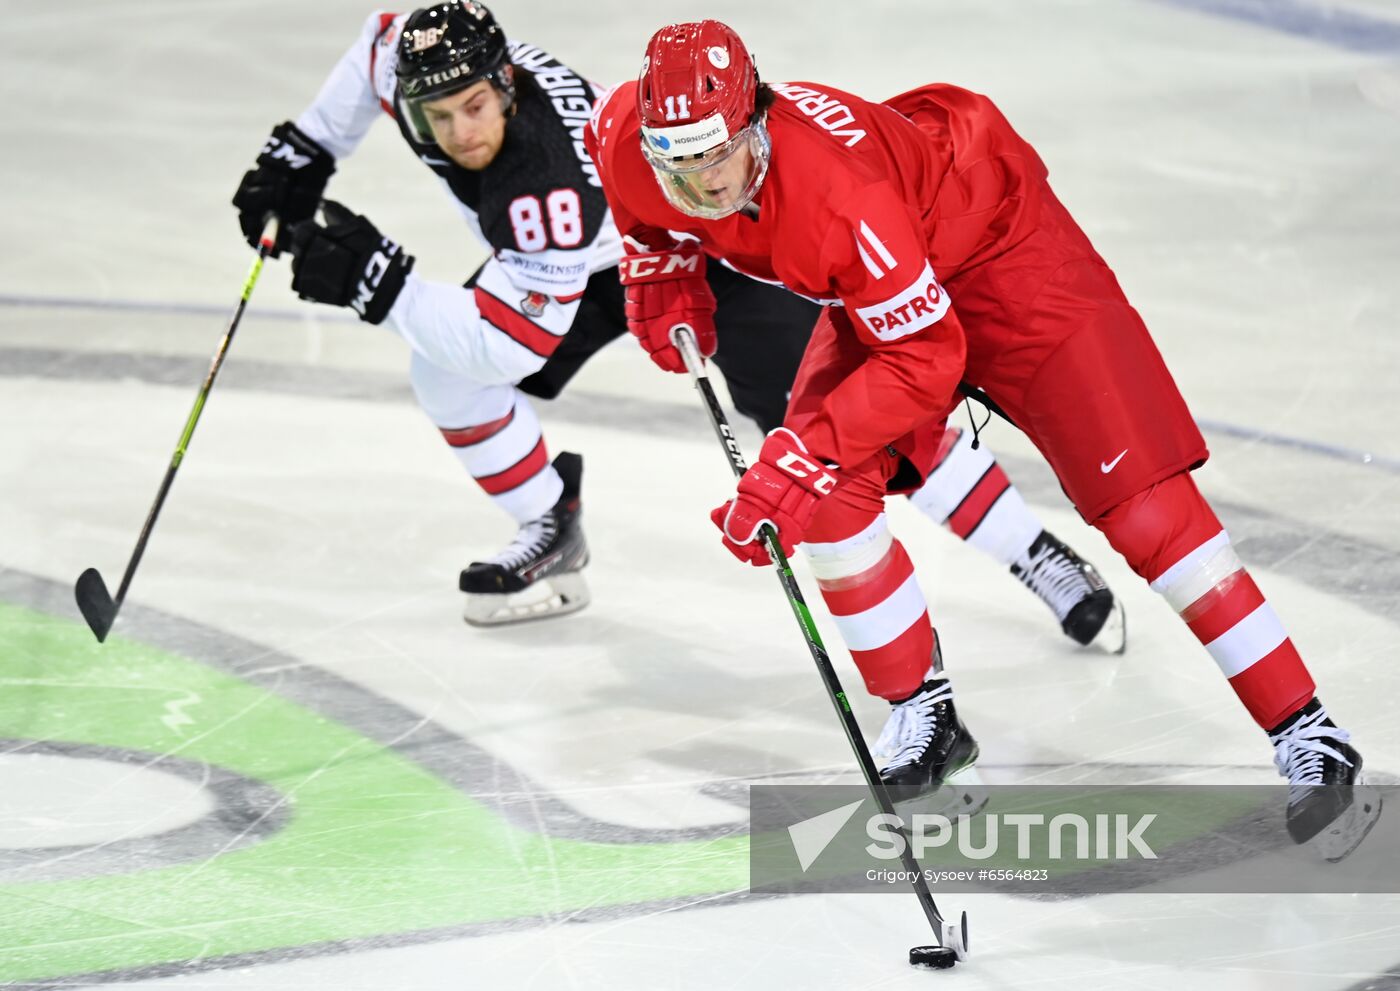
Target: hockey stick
x=952 y=938
x=94 y=601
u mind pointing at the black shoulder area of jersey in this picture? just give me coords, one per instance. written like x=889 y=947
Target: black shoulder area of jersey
x=543 y=154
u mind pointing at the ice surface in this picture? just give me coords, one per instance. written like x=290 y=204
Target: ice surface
x=553 y=805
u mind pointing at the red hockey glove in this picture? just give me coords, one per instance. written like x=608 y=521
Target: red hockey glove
x=783 y=488
x=666 y=288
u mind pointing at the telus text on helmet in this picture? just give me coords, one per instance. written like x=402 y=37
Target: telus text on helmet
x=446 y=75
x=827 y=111
x=567 y=93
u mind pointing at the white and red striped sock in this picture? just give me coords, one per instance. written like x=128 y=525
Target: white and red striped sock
x=1224 y=608
x=506 y=455
x=869 y=586
x=969 y=493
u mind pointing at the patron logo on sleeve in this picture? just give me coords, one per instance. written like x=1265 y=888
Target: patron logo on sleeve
x=920 y=306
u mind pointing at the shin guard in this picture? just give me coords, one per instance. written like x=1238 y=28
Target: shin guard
x=869 y=586
x=1170 y=536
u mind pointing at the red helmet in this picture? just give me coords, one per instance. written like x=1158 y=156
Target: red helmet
x=696 y=98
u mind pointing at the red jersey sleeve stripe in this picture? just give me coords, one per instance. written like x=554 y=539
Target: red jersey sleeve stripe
x=515 y=324
x=517 y=474
x=467 y=436
x=385 y=20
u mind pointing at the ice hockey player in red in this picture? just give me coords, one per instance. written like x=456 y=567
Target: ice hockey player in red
x=928 y=227
x=500 y=125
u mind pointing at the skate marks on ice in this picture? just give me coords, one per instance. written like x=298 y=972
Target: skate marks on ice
x=706 y=866
x=1389 y=981
x=1367 y=573
x=313 y=381
x=319 y=382
x=222 y=811
x=468 y=768
x=323 y=784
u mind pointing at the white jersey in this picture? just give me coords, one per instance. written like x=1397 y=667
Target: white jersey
x=539 y=206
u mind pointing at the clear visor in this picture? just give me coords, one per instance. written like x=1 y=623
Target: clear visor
x=718 y=183
x=412 y=113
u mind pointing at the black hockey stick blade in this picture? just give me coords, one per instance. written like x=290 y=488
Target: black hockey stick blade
x=95 y=603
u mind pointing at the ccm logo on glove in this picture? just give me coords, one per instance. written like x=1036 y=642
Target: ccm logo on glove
x=799 y=467
x=283 y=151
x=665 y=289
x=347 y=262
x=662 y=265
x=783 y=489
x=287 y=180
x=375 y=268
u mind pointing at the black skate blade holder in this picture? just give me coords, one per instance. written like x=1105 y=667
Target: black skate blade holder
x=952 y=937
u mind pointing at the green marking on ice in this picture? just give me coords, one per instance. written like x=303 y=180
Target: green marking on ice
x=375 y=845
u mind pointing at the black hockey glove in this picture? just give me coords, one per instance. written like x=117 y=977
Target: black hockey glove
x=288 y=180
x=347 y=262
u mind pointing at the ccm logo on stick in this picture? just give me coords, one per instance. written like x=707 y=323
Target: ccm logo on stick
x=799 y=467
x=922 y=305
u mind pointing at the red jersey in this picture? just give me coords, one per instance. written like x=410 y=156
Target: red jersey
x=867 y=206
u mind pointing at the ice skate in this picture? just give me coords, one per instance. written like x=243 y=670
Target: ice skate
x=1088 y=611
x=1329 y=804
x=541 y=572
x=928 y=749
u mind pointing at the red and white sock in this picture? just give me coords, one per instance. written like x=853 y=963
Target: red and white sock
x=869 y=586
x=969 y=493
x=1169 y=535
x=1224 y=608
x=503 y=448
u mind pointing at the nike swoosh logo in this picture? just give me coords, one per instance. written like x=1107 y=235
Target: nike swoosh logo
x=1108 y=466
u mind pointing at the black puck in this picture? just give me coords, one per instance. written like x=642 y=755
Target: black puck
x=933 y=957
